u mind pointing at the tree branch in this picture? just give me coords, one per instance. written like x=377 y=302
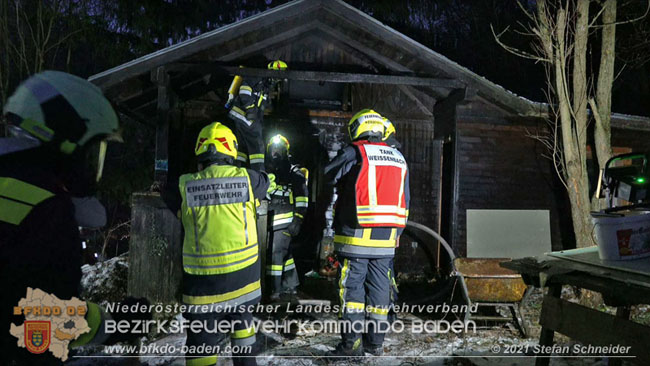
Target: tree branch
x=614 y=23
x=513 y=50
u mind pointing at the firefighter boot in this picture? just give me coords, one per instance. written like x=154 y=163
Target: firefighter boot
x=345 y=353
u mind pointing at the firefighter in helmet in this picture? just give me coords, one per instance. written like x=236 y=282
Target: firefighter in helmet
x=288 y=202
x=247 y=114
x=371 y=212
x=221 y=268
x=59 y=125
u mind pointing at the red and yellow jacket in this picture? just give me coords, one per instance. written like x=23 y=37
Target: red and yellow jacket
x=373 y=199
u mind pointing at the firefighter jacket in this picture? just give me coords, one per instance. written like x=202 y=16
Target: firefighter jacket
x=220 y=248
x=288 y=197
x=373 y=199
x=247 y=112
x=40 y=246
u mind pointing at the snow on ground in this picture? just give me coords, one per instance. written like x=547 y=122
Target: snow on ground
x=484 y=347
x=406 y=348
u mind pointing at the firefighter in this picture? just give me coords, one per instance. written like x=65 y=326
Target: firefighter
x=390 y=140
x=247 y=113
x=221 y=268
x=371 y=212
x=59 y=125
x=288 y=202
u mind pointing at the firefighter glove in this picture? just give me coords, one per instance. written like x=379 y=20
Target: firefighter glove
x=294 y=227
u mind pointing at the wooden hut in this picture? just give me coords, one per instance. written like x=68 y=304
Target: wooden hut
x=465 y=138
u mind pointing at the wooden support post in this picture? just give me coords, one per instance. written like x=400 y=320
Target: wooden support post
x=622 y=312
x=160 y=77
x=345 y=100
x=546 y=335
x=436 y=168
x=444 y=113
x=155 y=253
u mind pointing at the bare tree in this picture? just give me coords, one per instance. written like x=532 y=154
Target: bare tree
x=32 y=35
x=562 y=31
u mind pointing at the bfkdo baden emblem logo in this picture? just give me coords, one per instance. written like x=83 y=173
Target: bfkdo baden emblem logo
x=50 y=323
x=37 y=335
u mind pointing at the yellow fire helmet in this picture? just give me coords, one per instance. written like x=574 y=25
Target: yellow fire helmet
x=277 y=65
x=278 y=142
x=215 y=139
x=365 y=124
x=389 y=129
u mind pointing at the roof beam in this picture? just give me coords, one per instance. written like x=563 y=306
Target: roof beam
x=144 y=64
x=423 y=108
x=354 y=53
x=133 y=115
x=268 y=42
x=342 y=77
x=315 y=29
x=368 y=51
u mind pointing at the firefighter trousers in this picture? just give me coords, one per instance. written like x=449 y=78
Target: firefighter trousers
x=364 y=296
x=394 y=292
x=203 y=347
x=280 y=266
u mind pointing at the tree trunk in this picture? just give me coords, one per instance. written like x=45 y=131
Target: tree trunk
x=578 y=179
x=579 y=76
x=602 y=130
x=580 y=207
x=573 y=116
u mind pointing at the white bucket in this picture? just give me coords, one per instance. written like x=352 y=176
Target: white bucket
x=622 y=237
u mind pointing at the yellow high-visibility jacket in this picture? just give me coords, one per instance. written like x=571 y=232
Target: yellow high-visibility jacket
x=220 y=251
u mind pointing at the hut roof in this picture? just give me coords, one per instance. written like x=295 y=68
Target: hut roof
x=358 y=48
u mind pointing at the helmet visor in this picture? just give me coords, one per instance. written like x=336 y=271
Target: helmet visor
x=95 y=157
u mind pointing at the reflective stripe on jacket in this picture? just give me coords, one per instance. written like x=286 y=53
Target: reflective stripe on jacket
x=379 y=195
x=220 y=251
x=367 y=242
x=289 y=198
x=18 y=198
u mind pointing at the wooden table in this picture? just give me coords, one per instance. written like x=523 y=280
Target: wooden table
x=621 y=284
